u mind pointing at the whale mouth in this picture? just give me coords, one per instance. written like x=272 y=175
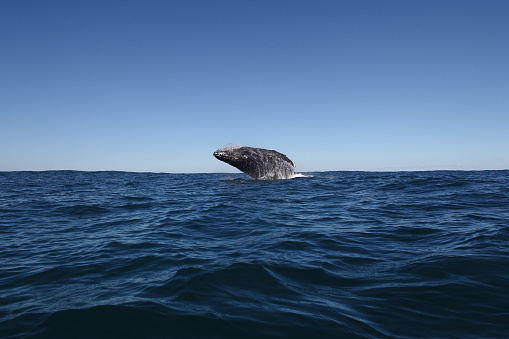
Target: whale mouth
x=225 y=153
x=221 y=155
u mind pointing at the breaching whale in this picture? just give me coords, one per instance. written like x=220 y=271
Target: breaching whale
x=258 y=163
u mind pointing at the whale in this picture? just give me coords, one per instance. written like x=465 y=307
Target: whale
x=258 y=163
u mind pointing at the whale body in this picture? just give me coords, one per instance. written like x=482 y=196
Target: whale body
x=258 y=163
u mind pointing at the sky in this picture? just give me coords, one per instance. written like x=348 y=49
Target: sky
x=158 y=86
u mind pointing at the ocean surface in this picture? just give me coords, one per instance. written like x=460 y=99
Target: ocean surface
x=330 y=255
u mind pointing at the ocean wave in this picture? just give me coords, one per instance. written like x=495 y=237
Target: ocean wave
x=339 y=254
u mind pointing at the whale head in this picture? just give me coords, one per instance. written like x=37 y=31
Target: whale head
x=235 y=156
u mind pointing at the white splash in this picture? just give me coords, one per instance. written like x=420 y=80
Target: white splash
x=300 y=175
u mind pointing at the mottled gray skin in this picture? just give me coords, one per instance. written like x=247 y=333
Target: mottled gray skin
x=258 y=163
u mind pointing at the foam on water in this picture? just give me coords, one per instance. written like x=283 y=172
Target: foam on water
x=301 y=175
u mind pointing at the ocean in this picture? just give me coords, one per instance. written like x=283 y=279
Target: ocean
x=326 y=255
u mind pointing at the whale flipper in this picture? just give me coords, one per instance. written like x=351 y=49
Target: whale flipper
x=284 y=157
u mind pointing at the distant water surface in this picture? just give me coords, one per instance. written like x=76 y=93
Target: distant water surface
x=332 y=255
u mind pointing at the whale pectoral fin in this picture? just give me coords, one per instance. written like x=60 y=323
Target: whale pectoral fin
x=283 y=157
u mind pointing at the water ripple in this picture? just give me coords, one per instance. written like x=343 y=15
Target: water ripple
x=334 y=254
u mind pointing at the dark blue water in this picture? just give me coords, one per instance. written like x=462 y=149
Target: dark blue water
x=335 y=255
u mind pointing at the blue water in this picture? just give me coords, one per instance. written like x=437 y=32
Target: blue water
x=333 y=255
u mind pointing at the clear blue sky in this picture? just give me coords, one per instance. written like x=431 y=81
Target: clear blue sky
x=336 y=85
